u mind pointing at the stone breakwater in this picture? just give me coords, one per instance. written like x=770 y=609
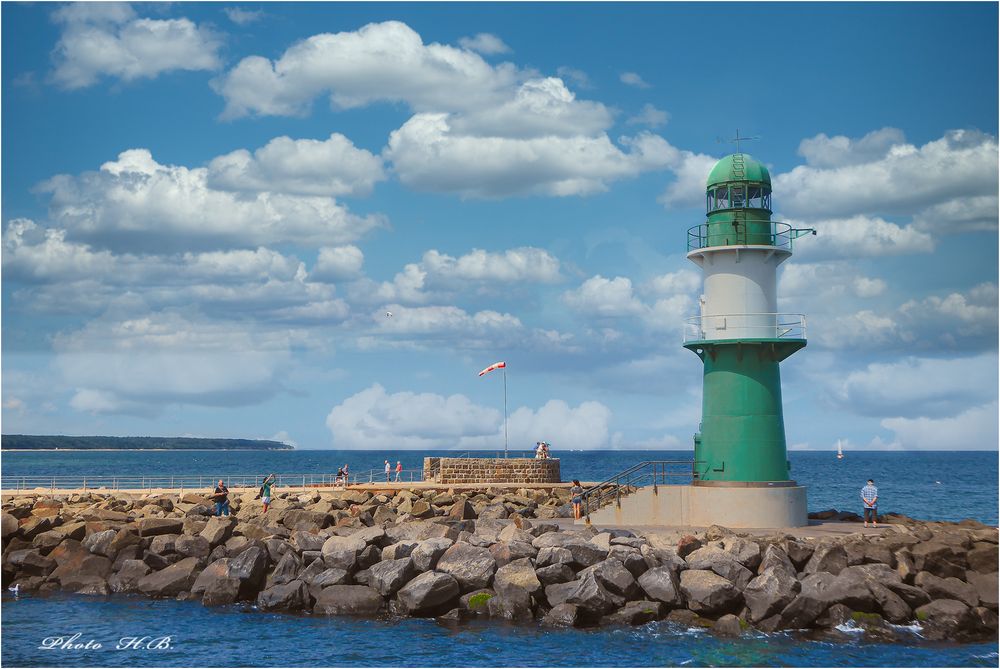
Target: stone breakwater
x=434 y=553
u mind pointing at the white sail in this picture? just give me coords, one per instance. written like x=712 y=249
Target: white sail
x=840 y=449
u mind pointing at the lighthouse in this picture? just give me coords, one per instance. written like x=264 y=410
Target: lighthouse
x=743 y=477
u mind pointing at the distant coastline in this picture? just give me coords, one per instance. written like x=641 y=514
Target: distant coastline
x=27 y=442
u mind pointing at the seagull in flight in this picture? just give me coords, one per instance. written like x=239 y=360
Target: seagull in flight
x=388 y=314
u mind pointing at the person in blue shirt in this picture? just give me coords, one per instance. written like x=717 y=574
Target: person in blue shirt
x=869 y=500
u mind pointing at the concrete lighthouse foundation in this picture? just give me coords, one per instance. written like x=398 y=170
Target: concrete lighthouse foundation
x=733 y=506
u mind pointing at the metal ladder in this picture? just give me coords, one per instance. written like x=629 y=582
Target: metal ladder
x=739 y=217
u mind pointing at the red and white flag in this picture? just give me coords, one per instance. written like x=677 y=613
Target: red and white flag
x=495 y=365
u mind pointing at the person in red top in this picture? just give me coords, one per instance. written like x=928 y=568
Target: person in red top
x=399 y=470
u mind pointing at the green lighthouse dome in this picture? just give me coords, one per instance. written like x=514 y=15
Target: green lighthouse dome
x=738 y=167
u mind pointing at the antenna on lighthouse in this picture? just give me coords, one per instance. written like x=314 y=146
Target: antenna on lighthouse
x=737 y=139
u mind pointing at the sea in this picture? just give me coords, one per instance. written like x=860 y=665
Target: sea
x=63 y=630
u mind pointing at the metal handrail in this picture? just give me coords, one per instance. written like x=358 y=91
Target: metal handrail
x=649 y=472
x=174 y=481
x=781 y=326
x=781 y=235
x=375 y=475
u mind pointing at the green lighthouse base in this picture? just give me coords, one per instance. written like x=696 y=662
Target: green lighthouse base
x=754 y=506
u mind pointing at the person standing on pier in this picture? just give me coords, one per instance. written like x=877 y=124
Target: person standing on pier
x=265 y=491
x=577 y=492
x=869 y=498
x=221 y=497
x=399 y=470
x=388 y=471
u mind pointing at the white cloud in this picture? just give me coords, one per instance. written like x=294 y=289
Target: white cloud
x=243 y=17
x=683 y=282
x=374 y=418
x=428 y=155
x=956 y=314
x=690 y=176
x=135 y=202
x=861 y=236
x=866 y=287
x=524 y=264
x=906 y=180
x=484 y=43
x=973 y=429
x=651 y=116
x=331 y=167
x=965 y=214
x=826 y=152
x=110 y=40
x=141 y=364
x=337 y=263
x=920 y=387
x=578 y=77
x=633 y=79
x=605 y=298
x=381 y=61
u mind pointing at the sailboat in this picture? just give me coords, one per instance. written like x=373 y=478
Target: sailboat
x=840 y=451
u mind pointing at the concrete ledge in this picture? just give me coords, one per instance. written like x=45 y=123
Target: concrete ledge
x=698 y=506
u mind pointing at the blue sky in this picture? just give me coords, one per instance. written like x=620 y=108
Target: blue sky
x=208 y=210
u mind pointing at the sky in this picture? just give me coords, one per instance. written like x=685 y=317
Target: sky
x=210 y=209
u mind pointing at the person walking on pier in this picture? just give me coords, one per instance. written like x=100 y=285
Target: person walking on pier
x=399 y=470
x=388 y=471
x=869 y=498
x=221 y=497
x=265 y=491
x=577 y=492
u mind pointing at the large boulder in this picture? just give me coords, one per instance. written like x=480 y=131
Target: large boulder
x=514 y=604
x=342 y=552
x=127 y=578
x=986 y=587
x=75 y=562
x=389 y=576
x=947 y=588
x=348 y=600
x=171 y=581
x=663 y=585
x=429 y=592
x=196 y=546
x=472 y=566
x=286 y=570
x=590 y=595
x=637 y=612
x=613 y=575
x=218 y=530
x=946 y=619
x=708 y=593
x=829 y=558
x=99 y=543
x=504 y=552
x=776 y=559
x=461 y=510
x=249 y=568
x=939 y=558
x=893 y=607
x=399 y=550
x=746 y=552
x=550 y=555
x=516 y=575
x=563 y=615
x=151 y=527
x=554 y=573
x=585 y=553
x=983 y=558
x=291 y=596
x=722 y=563
x=426 y=554
x=808 y=605
x=770 y=592
x=8 y=525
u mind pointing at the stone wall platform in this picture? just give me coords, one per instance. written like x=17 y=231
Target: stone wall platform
x=491 y=470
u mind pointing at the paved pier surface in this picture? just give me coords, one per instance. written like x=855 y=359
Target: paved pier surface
x=374 y=488
x=815 y=528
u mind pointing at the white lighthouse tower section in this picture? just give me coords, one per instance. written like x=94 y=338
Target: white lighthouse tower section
x=740 y=297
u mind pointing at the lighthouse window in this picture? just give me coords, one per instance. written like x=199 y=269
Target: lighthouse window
x=738 y=195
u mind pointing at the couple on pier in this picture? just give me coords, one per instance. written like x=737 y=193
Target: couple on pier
x=221 y=495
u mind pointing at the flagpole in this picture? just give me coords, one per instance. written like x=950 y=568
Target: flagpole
x=505 y=412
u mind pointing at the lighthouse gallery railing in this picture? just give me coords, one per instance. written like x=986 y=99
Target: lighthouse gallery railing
x=745 y=326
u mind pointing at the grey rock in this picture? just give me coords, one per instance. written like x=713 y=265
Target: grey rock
x=585 y=553
x=218 y=530
x=477 y=601
x=835 y=615
x=727 y=626
x=426 y=554
x=308 y=541
x=720 y=562
x=892 y=606
x=986 y=587
x=513 y=604
x=286 y=570
x=770 y=592
x=707 y=593
x=613 y=575
x=554 y=573
x=777 y=559
x=552 y=555
x=290 y=596
x=746 y=552
x=564 y=615
x=99 y=543
x=637 y=612
x=329 y=577
x=348 y=600
x=342 y=552
x=428 y=592
x=946 y=619
x=196 y=546
x=389 y=576
x=127 y=578
x=171 y=581
x=663 y=585
x=590 y=595
x=398 y=550
x=516 y=575
x=947 y=588
x=829 y=558
x=471 y=566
